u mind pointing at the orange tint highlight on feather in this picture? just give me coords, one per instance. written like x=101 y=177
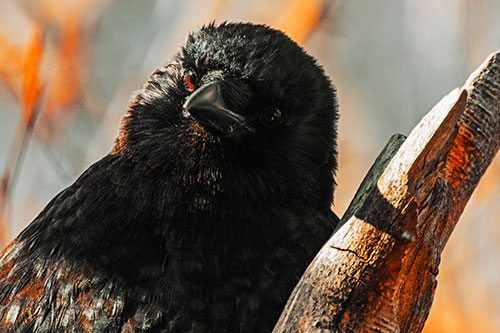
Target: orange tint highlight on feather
x=32 y=86
x=33 y=290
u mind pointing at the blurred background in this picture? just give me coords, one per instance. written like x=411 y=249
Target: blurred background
x=67 y=69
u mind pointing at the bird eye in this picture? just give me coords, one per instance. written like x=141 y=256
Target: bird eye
x=271 y=117
x=190 y=80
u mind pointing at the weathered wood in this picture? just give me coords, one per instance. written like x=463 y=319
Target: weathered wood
x=370 y=181
x=378 y=271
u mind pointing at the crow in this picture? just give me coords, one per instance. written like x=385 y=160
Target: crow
x=214 y=199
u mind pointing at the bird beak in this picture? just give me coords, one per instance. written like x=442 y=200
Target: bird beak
x=207 y=107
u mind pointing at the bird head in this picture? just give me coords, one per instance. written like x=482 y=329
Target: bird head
x=239 y=99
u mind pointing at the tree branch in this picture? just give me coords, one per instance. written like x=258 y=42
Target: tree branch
x=378 y=271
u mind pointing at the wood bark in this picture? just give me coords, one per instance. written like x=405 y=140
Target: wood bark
x=378 y=271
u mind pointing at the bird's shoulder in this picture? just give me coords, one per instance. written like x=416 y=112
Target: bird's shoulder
x=78 y=264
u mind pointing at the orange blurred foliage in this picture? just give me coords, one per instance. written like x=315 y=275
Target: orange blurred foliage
x=10 y=64
x=64 y=84
x=32 y=85
x=20 y=68
x=4 y=231
x=52 y=58
x=299 y=18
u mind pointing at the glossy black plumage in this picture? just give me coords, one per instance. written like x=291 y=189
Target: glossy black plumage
x=196 y=221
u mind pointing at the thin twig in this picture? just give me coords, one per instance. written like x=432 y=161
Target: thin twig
x=14 y=165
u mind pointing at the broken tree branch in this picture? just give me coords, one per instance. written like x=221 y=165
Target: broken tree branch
x=378 y=271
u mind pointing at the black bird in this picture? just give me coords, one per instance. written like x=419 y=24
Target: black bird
x=213 y=201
